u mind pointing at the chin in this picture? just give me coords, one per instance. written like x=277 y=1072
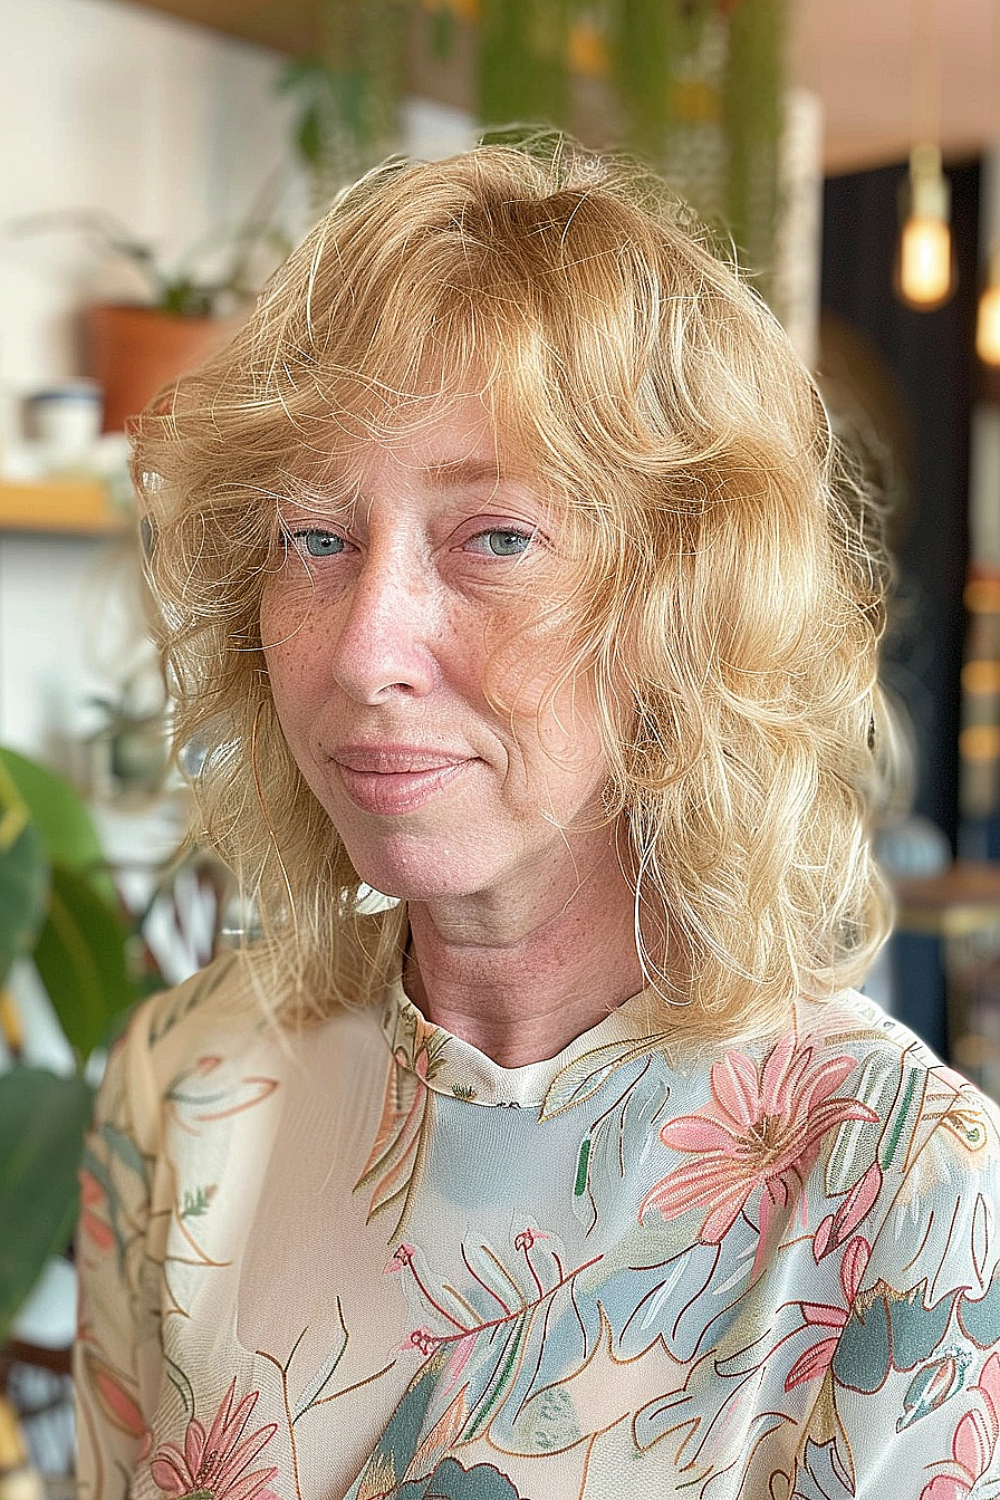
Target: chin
x=406 y=877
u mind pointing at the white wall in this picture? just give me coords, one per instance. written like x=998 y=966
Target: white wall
x=171 y=129
x=164 y=125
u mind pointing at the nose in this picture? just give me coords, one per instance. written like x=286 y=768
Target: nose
x=388 y=627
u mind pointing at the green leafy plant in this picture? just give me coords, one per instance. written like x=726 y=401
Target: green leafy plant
x=58 y=909
x=695 y=86
x=345 y=96
x=218 y=274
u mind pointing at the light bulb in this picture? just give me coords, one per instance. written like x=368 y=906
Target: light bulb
x=925 y=262
x=925 y=276
x=988 y=317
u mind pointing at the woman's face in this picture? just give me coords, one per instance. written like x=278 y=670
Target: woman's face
x=412 y=634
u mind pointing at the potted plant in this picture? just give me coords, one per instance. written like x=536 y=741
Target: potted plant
x=179 y=310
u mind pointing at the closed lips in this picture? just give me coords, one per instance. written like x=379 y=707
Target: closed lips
x=392 y=783
x=395 y=761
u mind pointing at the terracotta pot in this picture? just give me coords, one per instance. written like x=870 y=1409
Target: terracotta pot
x=134 y=351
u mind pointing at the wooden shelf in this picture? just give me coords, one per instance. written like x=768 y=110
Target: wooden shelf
x=295 y=27
x=290 y=26
x=963 y=899
x=72 y=507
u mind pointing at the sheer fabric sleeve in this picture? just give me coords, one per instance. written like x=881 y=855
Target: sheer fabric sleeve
x=911 y=1402
x=118 y=1292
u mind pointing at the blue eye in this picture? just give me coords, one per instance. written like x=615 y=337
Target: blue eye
x=318 y=543
x=503 y=543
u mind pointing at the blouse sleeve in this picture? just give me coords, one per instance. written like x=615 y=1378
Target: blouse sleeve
x=116 y=1309
x=912 y=1402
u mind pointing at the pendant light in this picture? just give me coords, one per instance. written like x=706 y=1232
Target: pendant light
x=926 y=275
x=988 y=317
x=925 y=267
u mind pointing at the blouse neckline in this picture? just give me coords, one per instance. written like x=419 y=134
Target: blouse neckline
x=448 y=1065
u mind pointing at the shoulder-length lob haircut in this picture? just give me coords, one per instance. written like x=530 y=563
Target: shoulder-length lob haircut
x=731 y=592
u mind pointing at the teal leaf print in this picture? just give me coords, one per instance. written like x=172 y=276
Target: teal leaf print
x=399 y=1442
x=616 y=1142
x=642 y=1304
x=127 y=1152
x=581 y=1079
x=852 y=1151
x=933 y=1385
x=820 y=1475
x=450 y=1481
x=582 y=1162
x=195 y=1204
x=516 y=1328
x=887 y=1330
x=979 y=1320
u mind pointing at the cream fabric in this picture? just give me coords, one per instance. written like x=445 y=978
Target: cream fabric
x=364 y=1260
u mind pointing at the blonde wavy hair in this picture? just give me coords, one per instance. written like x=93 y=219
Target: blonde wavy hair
x=730 y=594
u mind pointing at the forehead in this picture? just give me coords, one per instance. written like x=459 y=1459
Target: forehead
x=444 y=444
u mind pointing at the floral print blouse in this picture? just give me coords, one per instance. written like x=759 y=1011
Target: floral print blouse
x=363 y=1260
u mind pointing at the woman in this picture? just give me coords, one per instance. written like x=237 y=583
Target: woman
x=505 y=570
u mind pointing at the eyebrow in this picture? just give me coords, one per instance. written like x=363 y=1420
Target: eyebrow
x=453 y=473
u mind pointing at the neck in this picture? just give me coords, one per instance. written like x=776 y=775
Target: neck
x=522 y=984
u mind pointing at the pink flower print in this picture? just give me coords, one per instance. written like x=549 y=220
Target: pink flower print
x=816 y=1360
x=422 y=1339
x=838 y=1227
x=215 y=1465
x=401 y=1256
x=974 y=1442
x=119 y=1407
x=762 y=1130
x=93 y=1204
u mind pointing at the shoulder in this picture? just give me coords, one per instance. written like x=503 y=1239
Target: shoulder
x=216 y=1014
x=223 y=998
x=896 y=1072
x=926 y=1144
x=915 y=1098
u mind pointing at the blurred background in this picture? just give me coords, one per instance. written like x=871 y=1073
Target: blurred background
x=158 y=160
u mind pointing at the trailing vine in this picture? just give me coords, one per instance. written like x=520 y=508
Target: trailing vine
x=694 y=86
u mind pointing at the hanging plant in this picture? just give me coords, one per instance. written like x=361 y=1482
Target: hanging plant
x=752 y=120
x=652 y=43
x=694 y=86
x=701 y=82
x=347 y=93
x=523 y=70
